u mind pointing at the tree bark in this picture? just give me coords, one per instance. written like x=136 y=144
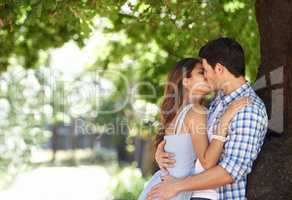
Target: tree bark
x=271 y=177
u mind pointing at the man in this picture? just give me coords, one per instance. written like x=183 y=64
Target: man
x=224 y=69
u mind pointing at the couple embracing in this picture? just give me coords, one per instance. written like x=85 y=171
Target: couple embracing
x=206 y=154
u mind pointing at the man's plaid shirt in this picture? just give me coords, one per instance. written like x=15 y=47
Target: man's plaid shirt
x=246 y=135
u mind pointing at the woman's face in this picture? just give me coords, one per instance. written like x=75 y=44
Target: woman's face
x=197 y=84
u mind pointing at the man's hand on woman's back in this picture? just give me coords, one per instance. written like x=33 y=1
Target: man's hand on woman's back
x=164 y=160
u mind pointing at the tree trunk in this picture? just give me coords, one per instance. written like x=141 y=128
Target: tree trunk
x=54 y=142
x=272 y=174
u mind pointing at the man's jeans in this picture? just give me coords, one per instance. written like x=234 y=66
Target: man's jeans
x=198 y=198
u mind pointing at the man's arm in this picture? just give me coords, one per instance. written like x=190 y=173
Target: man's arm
x=170 y=186
x=212 y=178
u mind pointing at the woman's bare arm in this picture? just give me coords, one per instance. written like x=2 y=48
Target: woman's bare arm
x=209 y=154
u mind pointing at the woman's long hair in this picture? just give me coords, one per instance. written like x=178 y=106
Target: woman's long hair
x=174 y=93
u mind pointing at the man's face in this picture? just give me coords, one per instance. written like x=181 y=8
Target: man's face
x=210 y=75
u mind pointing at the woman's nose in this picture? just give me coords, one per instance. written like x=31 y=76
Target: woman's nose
x=205 y=77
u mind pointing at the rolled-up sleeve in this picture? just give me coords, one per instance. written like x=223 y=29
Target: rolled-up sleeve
x=246 y=134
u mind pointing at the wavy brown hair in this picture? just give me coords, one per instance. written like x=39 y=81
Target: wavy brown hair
x=173 y=93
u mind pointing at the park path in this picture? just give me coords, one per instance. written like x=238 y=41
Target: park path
x=60 y=183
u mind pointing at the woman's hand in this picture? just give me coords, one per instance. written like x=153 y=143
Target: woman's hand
x=163 y=158
x=232 y=109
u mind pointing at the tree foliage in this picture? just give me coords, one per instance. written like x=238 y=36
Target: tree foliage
x=168 y=29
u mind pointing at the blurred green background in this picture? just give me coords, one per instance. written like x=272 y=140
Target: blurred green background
x=81 y=83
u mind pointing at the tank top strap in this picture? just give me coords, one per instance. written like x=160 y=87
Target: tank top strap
x=177 y=121
x=180 y=118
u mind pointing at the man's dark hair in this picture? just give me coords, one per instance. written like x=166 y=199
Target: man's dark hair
x=227 y=52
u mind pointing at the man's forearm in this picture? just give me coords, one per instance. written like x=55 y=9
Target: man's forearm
x=211 y=178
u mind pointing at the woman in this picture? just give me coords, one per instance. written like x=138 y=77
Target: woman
x=183 y=120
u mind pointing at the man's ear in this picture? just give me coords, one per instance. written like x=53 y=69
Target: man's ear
x=219 y=68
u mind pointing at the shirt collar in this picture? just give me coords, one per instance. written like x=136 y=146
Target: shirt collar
x=226 y=99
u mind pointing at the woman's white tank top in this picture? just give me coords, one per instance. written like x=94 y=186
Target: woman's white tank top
x=210 y=193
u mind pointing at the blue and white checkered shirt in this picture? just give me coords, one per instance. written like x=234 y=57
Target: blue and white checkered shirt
x=246 y=135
